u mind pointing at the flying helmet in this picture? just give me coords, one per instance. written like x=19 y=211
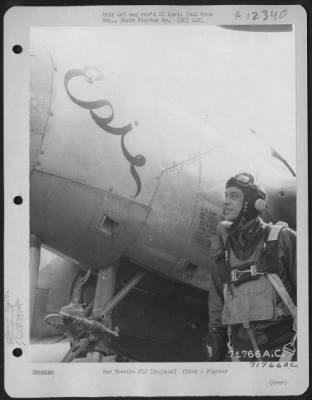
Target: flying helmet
x=254 y=195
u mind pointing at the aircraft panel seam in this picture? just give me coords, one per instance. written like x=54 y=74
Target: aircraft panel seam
x=109 y=194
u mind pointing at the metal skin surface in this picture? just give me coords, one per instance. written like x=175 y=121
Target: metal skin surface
x=41 y=82
x=117 y=173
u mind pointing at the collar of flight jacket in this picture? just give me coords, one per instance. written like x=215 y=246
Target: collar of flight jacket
x=243 y=238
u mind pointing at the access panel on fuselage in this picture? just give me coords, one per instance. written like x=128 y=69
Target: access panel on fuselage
x=82 y=223
x=162 y=240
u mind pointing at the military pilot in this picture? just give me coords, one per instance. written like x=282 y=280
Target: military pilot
x=252 y=287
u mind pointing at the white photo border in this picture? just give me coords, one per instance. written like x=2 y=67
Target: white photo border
x=90 y=380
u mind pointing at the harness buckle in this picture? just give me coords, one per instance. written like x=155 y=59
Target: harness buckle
x=287 y=353
x=253 y=270
x=236 y=273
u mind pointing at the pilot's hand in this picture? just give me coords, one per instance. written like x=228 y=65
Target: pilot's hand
x=209 y=349
x=216 y=344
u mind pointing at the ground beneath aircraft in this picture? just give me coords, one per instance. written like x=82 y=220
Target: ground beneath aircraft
x=48 y=349
x=52 y=350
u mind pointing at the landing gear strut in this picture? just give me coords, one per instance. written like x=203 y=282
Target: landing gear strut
x=105 y=288
x=93 y=335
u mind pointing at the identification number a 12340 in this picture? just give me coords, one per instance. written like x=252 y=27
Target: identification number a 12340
x=271 y=15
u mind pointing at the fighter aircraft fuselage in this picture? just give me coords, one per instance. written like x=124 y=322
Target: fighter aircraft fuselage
x=116 y=172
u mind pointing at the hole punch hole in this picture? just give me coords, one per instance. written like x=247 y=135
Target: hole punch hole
x=18 y=200
x=17 y=352
x=17 y=49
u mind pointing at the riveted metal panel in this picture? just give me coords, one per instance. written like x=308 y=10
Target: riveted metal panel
x=111 y=135
x=65 y=216
x=40 y=97
x=162 y=241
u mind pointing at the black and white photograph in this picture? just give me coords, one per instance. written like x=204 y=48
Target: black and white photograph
x=162 y=189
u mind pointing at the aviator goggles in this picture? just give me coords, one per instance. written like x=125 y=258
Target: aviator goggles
x=244 y=180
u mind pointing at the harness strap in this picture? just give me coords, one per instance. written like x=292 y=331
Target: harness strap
x=279 y=286
x=254 y=344
x=233 y=356
x=275 y=280
x=289 y=349
x=221 y=231
x=275 y=230
x=271 y=234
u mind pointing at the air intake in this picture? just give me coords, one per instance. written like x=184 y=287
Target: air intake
x=107 y=225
